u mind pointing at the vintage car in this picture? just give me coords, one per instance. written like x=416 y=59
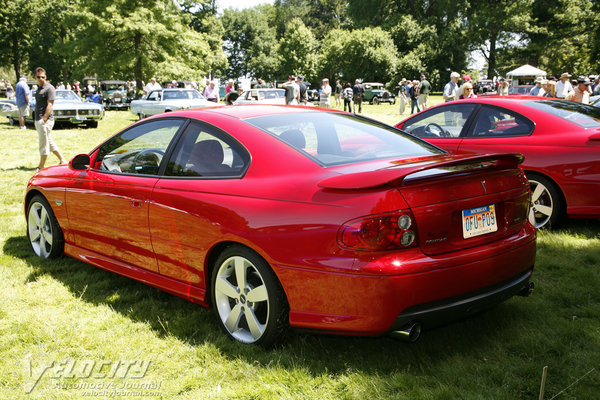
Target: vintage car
x=89 y=86
x=7 y=107
x=375 y=94
x=114 y=94
x=281 y=216
x=165 y=100
x=262 y=96
x=68 y=107
x=559 y=139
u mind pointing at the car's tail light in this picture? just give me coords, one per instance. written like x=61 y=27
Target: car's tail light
x=388 y=231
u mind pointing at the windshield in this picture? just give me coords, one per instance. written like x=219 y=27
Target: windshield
x=337 y=139
x=581 y=114
x=181 y=94
x=67 y=95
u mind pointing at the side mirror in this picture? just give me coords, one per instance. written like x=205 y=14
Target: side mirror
x=80 y=162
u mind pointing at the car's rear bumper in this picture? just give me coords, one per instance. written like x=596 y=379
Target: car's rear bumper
x=441 y=312
x=394 y=288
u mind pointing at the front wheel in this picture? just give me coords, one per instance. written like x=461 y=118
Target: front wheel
x=547 y=206
x=45 y=236
x=375 y=100
x=247 y=298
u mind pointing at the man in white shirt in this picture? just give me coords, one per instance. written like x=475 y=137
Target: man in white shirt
x=451 y=88
x=563 y=87
x=152 y=85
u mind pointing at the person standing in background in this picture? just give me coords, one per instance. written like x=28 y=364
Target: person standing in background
x=23 y=94
x=44 y=120
x=451 y=88
x=338 y=93
x=563 y=87
x=357 y=95
x=424 y=89
x=402 y=95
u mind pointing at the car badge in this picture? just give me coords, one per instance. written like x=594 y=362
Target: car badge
x=483 y=184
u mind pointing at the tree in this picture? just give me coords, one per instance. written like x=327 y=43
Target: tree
x=496 y=26
x=118 y=37
x=15 y=23
x=298 y=51
x=250 y=43
x=367 y=53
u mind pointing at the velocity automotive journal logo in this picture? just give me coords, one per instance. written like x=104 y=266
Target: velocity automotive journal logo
x=93 y=378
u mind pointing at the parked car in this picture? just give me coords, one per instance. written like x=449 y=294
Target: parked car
x=278 y=216
x=9 y=106
x=165 y=100
x=114 y=94
x=89 y=86
x=261 y=96
x=559 y=139
x=520 y=89
x=68 y=107
x=375 y=94
x=485 y=86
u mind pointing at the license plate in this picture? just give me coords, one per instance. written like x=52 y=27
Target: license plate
x=479 y=221
x=80 y=118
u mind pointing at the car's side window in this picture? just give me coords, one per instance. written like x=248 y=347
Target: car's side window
x=203 y=151
x=138 y=150
x=441 y=122
x=154 y=96
x=499 y=122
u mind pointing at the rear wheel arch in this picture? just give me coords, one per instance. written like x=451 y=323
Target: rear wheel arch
x=213 y=256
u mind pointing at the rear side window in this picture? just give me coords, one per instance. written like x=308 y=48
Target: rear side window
x=500 y=122
x=581 y=114
x=204 y=151
x=337 y=139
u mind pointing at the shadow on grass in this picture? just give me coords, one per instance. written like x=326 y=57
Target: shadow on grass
x=21 y=168
x=169 y=315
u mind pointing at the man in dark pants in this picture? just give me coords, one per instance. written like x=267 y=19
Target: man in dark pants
x=358 y=92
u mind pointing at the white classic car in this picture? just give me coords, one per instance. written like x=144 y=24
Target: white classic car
x=262 y=96
x=162 y=100
x=68 y=107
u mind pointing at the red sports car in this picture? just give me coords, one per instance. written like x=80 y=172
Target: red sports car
x=559 y=139
x=279 y=216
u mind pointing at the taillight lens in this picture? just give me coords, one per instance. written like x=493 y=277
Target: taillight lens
x=390 y=231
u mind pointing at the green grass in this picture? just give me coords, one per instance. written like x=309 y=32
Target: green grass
x=65 y=311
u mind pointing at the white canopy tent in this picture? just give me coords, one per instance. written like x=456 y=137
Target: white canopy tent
x=525 y=73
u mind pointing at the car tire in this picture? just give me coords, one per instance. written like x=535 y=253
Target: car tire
x=375 y=100
x=92 y=124
x=140 y=116
x=255 y=310
x=44 y=233
x=11 y=121
x=548 y=206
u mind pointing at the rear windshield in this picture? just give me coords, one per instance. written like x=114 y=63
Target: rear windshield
x=581 y=114
x=337 y=139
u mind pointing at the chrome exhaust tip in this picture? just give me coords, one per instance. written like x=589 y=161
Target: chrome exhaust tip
x=527 y=290
x=409 y=333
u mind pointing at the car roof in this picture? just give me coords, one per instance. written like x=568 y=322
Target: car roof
x=113 y=82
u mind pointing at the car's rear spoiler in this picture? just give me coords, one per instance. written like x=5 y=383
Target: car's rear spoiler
x=396 y=174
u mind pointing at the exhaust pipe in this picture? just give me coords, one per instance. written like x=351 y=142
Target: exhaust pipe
x=527 y=290
x=409 y=333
